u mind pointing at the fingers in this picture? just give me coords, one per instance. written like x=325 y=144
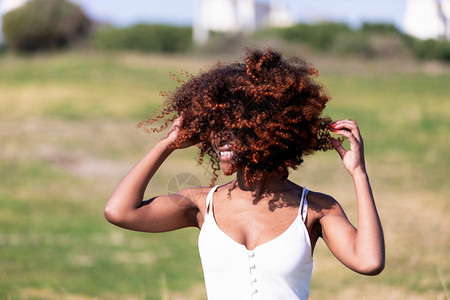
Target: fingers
x=353 y=158
x=178 y=122
x=338 y=147
x=349 y=129
x=172 y=135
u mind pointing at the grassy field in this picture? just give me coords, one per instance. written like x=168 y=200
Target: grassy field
x=68 y=135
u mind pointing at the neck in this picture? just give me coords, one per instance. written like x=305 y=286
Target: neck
x=269 y=183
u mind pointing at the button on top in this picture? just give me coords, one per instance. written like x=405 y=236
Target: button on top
x=252 y=266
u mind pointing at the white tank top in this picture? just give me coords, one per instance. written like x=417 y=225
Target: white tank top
x=278 y=269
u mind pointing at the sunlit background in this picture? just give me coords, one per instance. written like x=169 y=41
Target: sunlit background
x=418 y=17
x=181 y=12
x=76 y=77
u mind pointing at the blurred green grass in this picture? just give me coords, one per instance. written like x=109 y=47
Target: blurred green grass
x=68 y=137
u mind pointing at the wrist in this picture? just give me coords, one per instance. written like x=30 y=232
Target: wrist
x=166 y=146
x=359 y=174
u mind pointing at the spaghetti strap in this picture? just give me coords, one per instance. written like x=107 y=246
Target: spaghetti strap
x=209 y=199
x=303 y=208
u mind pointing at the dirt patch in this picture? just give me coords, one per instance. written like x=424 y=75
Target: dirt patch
x=73 y=147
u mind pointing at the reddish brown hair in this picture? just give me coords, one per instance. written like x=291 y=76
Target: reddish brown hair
x=271 y=105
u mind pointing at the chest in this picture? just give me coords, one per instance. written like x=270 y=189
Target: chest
x=251 y=224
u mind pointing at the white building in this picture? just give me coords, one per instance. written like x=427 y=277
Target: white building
x=7 y=5
x=233 y=16
x=427 y=19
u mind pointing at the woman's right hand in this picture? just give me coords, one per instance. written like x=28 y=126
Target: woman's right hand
x=174 y=133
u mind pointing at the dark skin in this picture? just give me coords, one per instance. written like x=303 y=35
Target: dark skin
x=252 y=223
x=245 y=227
x=255 y=216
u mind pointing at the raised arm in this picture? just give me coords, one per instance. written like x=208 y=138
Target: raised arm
x=361 y=249
x=126 y=209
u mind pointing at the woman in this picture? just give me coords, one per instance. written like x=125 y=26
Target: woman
x=257 y=233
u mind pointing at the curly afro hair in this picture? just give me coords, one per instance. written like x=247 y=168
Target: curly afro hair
x=270 y=105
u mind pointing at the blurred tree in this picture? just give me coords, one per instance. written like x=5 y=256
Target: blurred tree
x=44 y=24
x=145 y=38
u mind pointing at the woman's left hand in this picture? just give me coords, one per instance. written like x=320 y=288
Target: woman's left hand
x=353 y=159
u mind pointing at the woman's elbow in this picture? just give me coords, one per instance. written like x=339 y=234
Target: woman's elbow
x=112 y=215
x=372 y=268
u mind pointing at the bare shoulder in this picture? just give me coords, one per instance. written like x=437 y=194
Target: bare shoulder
x=323 y=204
x=320 y=206
x=193 y=196
x=196 y=198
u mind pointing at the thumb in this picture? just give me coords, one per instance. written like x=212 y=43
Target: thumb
x=337 y=145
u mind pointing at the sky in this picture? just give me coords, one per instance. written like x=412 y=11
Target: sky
x=180 y=12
